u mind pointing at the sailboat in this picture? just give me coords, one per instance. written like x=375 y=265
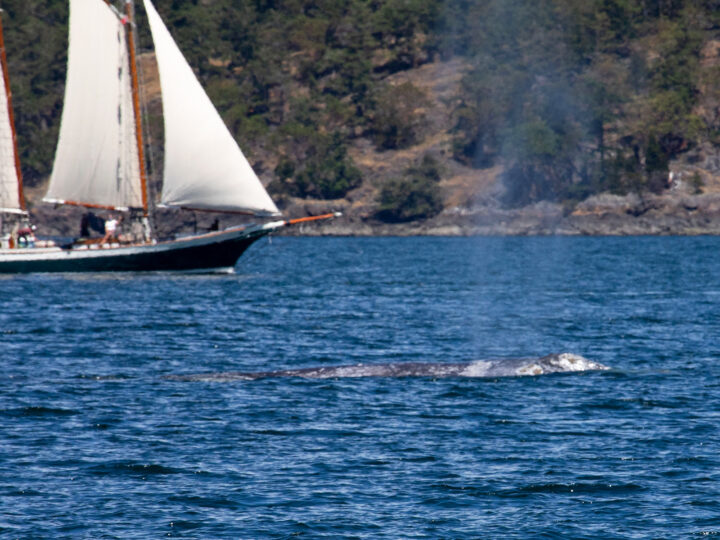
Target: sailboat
x=100 y=160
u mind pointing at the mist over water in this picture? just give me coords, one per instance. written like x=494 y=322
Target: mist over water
x=551 y=91
x=99 y=439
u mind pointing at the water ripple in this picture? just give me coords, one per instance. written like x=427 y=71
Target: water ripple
x=98 y=442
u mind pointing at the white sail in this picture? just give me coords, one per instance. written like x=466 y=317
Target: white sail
x=204 y=167
x=96 y=162
x=9 y=182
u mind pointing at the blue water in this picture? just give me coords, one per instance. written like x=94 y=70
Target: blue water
x=95 y=442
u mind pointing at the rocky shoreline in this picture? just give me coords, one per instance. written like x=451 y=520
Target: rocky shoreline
x=601 y=215
x=669 y=213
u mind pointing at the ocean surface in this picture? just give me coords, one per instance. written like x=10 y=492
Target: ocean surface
x=100 y=439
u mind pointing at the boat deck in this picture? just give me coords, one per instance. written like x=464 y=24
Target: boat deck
x=219 y=249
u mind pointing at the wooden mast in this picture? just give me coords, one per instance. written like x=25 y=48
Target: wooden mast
x=11 y=115
x=130 y=14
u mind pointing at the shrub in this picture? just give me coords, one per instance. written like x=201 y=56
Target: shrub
x=325 y=172
x=397 y=116
x=414 y=196
x=697 y=183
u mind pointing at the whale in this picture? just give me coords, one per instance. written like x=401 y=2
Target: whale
x=505 y=367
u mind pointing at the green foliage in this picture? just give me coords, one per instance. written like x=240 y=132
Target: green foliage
x=324 y=172
x=397 y=117
x=414 y=196
x=656 y=159
x=572 y=97
x=37 y=70
x=697 y=183
x=540 y=167
x=590 y=96
x=401 y=27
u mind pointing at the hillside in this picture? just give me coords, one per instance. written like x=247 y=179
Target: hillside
x=439 y=117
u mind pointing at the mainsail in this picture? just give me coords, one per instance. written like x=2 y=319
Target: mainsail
x=204 y=167
x=96 y=163
x=10 y=192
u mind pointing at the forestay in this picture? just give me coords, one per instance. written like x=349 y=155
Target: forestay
x=96 y=162
x=9 y=191
x=204 y=167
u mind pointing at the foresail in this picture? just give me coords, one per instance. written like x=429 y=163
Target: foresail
x=9 y=191
x=204 y=167
x=96 y=162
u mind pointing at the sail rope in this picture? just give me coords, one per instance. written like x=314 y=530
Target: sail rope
x=149 y=145
x=147 y=134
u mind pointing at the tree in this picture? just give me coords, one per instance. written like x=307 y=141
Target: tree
x=414 y=196
x=397 y=116
x=324 y=172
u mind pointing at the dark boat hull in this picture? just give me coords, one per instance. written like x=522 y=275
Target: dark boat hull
x=206 y=252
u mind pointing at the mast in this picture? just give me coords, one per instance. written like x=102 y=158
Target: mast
x=130 y=23
x=11 y=114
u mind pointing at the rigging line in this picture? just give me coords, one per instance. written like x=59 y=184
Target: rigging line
x=126 y=19
x=149 y=142
x=147 y=220
x=115 y=10
x=129 y=10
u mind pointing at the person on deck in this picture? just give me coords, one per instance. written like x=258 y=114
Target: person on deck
x=111 y=227
x=26 y=236
x=85 y=226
